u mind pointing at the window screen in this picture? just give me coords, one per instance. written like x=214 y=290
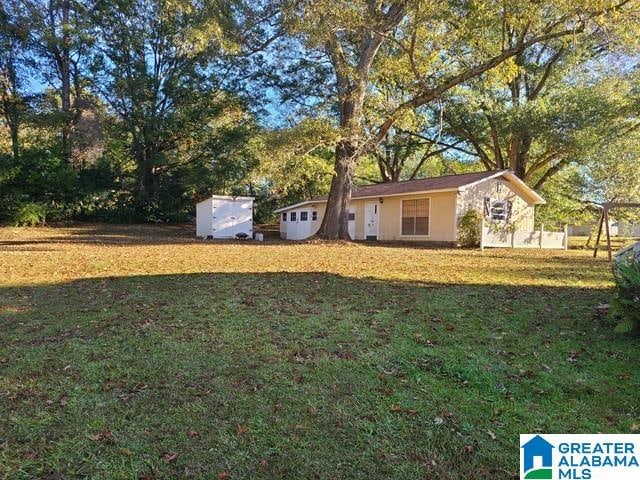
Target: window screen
x=415 y=217
x=314 y=216
x=303 y=216
x=284 y=216
x=352 y=216
x=293 y=216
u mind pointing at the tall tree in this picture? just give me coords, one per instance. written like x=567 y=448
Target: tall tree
x=427 y=48
x=156 y=68
x=535 y=121
x=60 y=44
x=13 y=33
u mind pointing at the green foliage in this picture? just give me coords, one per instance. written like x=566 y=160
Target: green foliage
x=30 y=215
x=293 y=164
x=469 y=229
x=626 y=305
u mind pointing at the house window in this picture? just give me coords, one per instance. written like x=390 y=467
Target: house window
x=293 y=216
x=352 y=216
x=415 y=217
x=314 y=216
x=499 y=210
x=303 y=216
x=284 y=216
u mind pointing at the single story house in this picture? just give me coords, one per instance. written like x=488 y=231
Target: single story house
x=426 y=210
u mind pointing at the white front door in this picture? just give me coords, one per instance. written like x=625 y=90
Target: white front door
x=371 y=220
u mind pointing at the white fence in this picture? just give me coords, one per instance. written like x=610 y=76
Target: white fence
x=503 y=238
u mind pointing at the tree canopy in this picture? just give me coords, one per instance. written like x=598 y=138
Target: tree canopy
x=129 y=110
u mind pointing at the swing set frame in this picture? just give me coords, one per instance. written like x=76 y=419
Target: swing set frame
x=604 y=221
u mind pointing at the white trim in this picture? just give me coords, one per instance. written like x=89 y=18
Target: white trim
x=456 y=204
x=429 y=217
x=490 y=177
x=511 y=177
x=300 y=204
x=538 y=200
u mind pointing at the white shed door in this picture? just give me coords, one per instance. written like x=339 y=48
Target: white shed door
x=231 y=217
x=243 y=217
x=223 y=219
x=299 y=227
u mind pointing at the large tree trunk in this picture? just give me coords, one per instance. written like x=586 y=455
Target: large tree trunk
x=335 y=224
x=519 y=154
x=11 y=101
x=145 y=173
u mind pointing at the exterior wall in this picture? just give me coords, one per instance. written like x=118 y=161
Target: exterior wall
x=522 y=214
x=358 y=207
x=204 y=219
x=315 y=226
x=442 y=218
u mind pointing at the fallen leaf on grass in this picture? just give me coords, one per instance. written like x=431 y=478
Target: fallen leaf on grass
x=241 y=429
x=192 y=434
x=170 y=456
x=223 y=475
x=31 y=455
x=104 y=436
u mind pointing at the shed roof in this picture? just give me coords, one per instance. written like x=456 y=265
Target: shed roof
x=444 y=183
x=225 y=197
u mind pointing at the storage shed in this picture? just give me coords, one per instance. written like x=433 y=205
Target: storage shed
x=221 y=216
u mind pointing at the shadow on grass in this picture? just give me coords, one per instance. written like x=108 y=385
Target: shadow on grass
x=300 y=375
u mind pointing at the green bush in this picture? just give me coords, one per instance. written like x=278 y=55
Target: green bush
x=469 y=229
x=30 y=215
x=626 y=305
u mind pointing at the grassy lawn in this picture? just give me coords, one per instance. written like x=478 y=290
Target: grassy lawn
x=138 y=352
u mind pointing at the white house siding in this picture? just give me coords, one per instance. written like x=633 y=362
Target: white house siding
x=313 y=207
x=522 y=214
